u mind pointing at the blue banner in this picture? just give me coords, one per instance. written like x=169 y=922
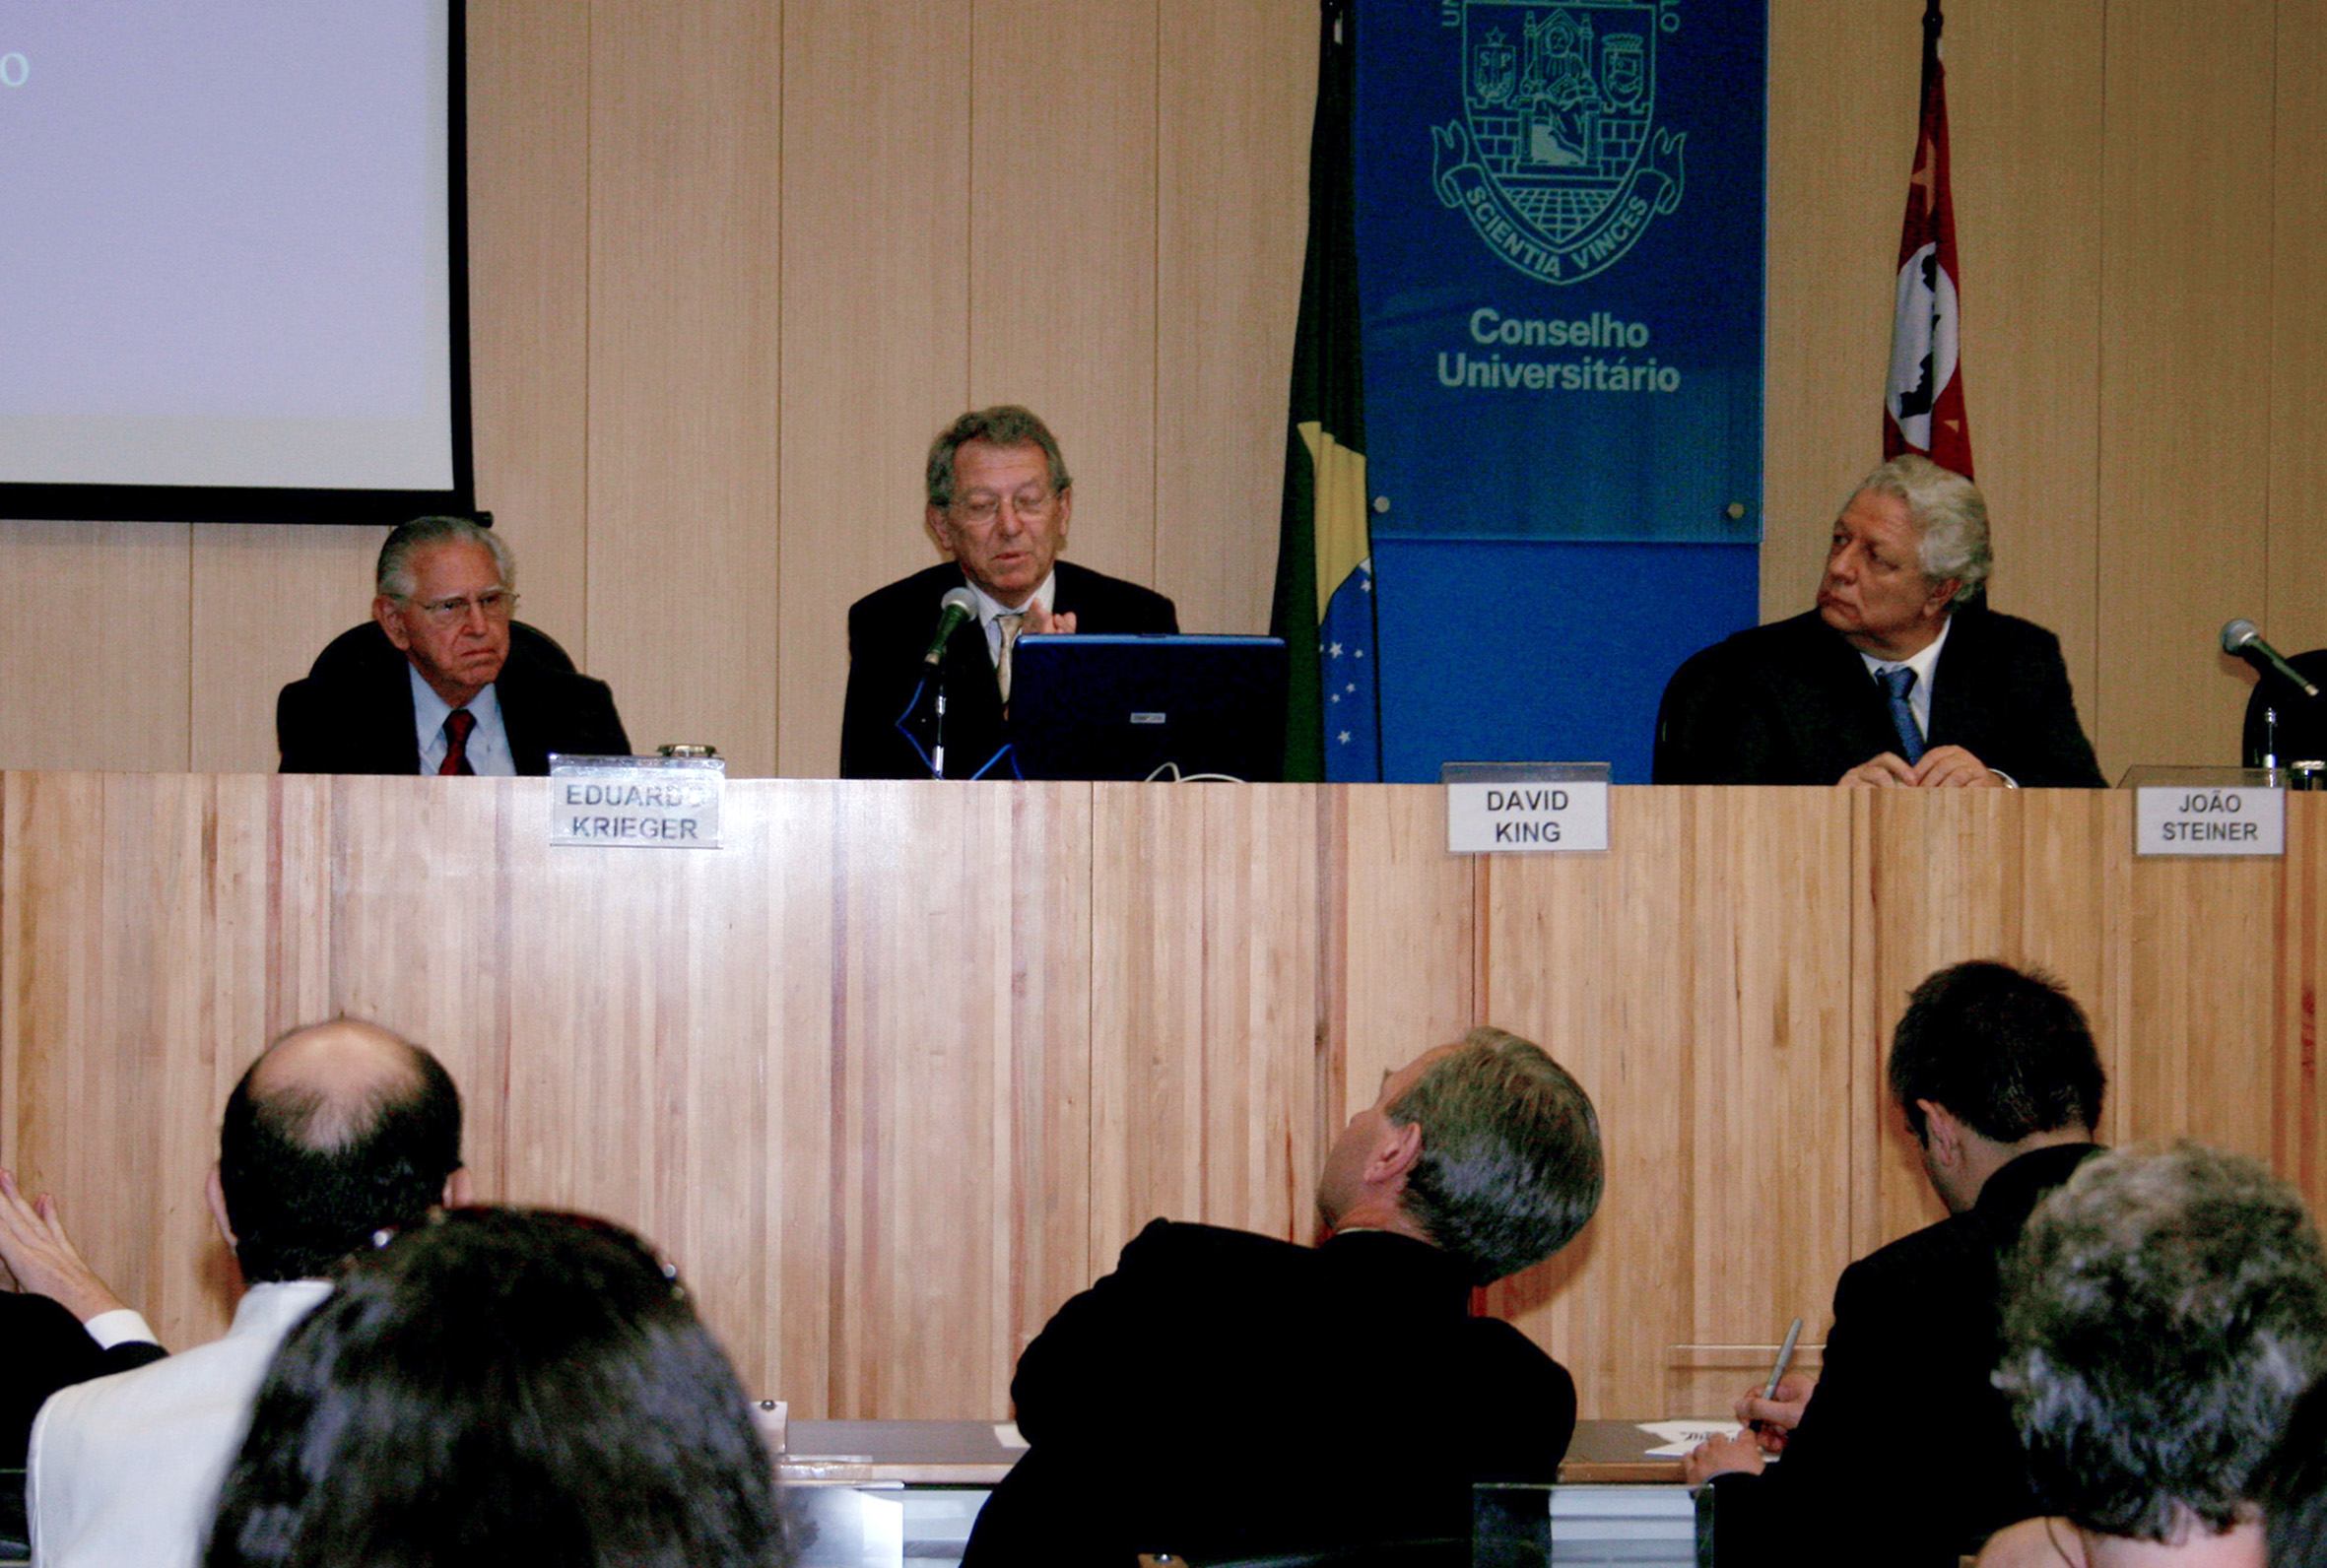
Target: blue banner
x=1559 y=247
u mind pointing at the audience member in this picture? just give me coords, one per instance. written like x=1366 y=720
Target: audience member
x=334 y=1132
x=2000 y=1085
x=502 y=1386
x=999 y=500
x=2164 y=1310
x=442 y=680
x=1360 y=1397
x=1900 y=675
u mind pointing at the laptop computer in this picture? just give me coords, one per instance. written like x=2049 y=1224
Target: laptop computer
x=1100 y=706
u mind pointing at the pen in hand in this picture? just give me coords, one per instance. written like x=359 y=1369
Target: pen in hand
x=1785 y=1354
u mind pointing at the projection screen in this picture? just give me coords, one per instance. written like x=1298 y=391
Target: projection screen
x=234 y=274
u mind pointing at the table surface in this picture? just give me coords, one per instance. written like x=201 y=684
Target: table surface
x=971 y=1454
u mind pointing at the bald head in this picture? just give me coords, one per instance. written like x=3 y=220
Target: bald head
x=337 y=1130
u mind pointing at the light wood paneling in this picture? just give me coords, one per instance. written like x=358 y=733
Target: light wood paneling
x=1738 y=1047
x=894 y=1072
x=2297 y=555
x=422 y=910
x=1236 y=94
x=1062 y=250
x=265 y=601
x=1204 y=1009
x=1401 y=939
x=139 y=912
x=684 y=169
x=93 y=645
x=954 y=887
x=1841 y=145
x=529 y=293
x=876 y=310
x=2025 y=119
x=1971 y=875
x=2184 y=386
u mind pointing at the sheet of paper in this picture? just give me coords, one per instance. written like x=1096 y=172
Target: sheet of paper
x=1679 y=1437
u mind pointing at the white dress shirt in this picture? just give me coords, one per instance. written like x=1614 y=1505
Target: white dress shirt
x=989 y=608
x=489 y=743
x=1923 y=663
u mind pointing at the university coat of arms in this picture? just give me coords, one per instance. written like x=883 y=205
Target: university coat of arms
x=1558 y=160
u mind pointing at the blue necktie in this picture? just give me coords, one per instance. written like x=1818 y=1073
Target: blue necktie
x=1895 y=685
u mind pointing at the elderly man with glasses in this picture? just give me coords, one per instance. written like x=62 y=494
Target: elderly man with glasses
x=999 y=503
x=442 y=680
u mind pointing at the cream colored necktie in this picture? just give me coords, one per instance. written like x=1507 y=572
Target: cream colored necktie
x=1012 y=621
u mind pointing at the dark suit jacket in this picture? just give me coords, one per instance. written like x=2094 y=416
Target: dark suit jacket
x=43 y=1348
x=352 y=713
x=1223 y=1394
x=1792 y=703
x=890 y=630
x=1906 y=1453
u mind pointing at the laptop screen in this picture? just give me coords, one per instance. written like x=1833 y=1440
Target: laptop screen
x=1136 y=707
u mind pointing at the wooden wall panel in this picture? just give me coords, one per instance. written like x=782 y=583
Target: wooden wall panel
x=420 y=936
x=1062 y=250
x=628 y=997
x=137 y=907
x=2024 y=118
x=929 y=1077
x=265 y=601
x=93 y=645
x=1838 y=167
x=1974 y=874
x=529 y=292
x=2198 y=1052
x=1204 y=1013
x=1738 y=903
x=876 y=323
x=2300 y=1150
x=1403 y=956
x=1235 y=96
x=2184 y=386
x=684 y=170
x=2298 y=552
x=894 y=1072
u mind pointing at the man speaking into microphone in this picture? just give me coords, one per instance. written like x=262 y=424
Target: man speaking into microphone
x=999 y=503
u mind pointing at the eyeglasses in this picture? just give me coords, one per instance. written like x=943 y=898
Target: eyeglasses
x=498 y=604
x=982 y=508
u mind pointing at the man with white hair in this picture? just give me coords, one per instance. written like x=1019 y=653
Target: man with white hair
x=1900 y=675
x=443 y=678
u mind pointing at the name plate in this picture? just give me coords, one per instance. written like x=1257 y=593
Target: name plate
x=1526 y=809
x=654 y=803
x=2196 y=819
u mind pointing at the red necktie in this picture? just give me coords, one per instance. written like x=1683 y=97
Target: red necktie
x=457 y=725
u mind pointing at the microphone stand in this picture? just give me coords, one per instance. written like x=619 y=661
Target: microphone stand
x=937 y=750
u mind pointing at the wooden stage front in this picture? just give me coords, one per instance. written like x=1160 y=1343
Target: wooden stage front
x=898 y=1068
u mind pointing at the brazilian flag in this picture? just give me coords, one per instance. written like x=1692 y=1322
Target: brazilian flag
x=1324 y=604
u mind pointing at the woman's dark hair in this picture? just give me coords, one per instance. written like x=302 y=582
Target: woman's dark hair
x=502 y=1386
x=2294 y=1486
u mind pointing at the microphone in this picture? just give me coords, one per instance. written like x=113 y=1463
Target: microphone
x=961 y=603
x=2240 y=637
